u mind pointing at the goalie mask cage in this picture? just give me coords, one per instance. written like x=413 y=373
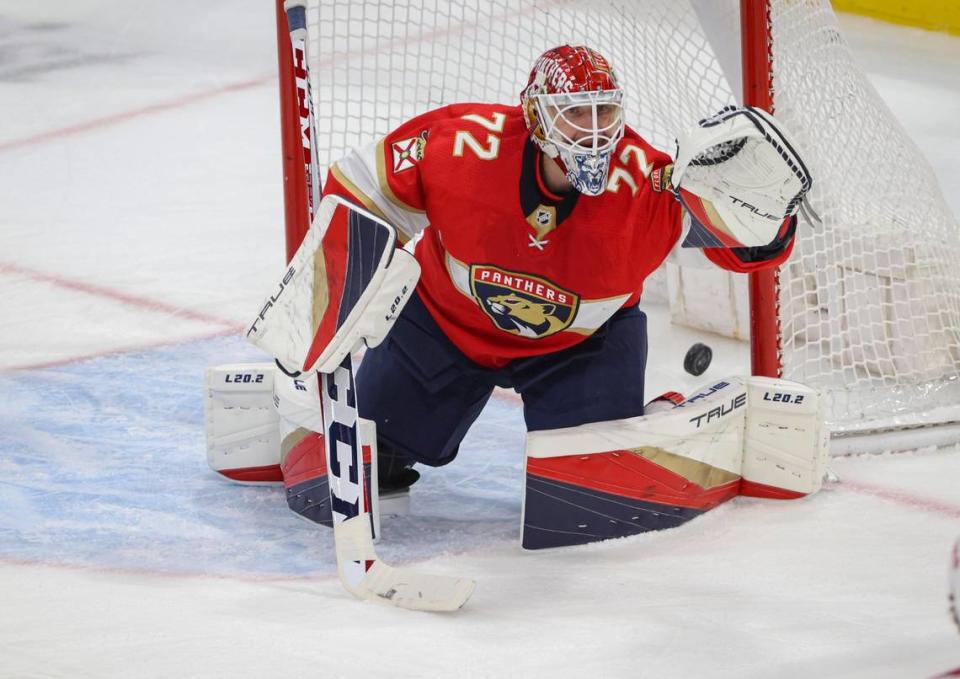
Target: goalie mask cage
x=868 y=306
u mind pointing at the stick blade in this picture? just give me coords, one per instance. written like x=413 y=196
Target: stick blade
x=412 y=590
x=388 y=585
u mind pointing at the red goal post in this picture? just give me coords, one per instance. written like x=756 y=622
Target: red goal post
x=295 y=195
x=756 y=57
x=867 y=308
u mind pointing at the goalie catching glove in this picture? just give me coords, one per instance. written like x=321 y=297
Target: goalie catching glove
x=346 y=284
x=740 y=178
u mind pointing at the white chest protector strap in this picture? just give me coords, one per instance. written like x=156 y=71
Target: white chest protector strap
x=740 y=176
x=346 y=284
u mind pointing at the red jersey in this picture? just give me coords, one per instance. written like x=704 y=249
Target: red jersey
x=510 y=269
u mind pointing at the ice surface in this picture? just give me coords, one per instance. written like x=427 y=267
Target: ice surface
x=139 y=225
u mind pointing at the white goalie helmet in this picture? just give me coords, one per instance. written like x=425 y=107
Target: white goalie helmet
x=573 y=109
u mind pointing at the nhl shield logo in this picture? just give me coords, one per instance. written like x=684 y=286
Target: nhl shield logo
x=520 y=304
x=543 y=219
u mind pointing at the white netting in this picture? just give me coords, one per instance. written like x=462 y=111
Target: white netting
x=870 y=302
x=869 y=305
x=376 y=63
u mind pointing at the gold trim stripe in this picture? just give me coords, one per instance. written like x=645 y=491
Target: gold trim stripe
x=320 y=298
x=600 y=300
x=716 y=221
x=704 y=475
x=355 y=190
x=366 y=200
x=448 y=259
x=291 y=440
x=385 y=185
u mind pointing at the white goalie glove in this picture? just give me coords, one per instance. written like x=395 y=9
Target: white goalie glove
x=740 y=177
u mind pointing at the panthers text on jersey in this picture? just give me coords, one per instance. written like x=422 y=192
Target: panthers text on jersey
x=510 y=269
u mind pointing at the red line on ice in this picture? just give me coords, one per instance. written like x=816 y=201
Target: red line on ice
x=228 y=326
x=173 y=575
x=115 y=295
x=122 y=350
x=107 y=121
x=903 y=498
x=179 y=102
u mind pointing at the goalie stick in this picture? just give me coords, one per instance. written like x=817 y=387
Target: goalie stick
x=361 y=572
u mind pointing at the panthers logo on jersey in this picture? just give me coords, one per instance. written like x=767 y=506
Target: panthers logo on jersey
x=523 y=305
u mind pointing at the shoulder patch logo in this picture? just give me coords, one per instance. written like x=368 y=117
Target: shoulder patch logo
x=660 y=178
x=520 y=304
x=407 y=152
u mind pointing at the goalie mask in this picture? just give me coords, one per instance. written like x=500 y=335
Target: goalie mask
x=573 y=109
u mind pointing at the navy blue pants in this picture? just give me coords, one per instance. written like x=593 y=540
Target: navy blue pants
x=424 y=394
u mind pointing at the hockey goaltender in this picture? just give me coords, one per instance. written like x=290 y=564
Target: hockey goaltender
x=480 y=246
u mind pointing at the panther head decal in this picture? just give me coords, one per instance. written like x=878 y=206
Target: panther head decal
x=520 y=304
x=533 y=318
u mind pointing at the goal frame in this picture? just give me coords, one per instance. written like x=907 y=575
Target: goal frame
x=756 y=61
x=757 y=91
x=799 y=320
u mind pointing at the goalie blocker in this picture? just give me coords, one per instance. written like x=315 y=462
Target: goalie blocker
x=345 y=286
x=754 y=436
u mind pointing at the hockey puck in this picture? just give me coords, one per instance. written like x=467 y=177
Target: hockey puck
x=697 y=359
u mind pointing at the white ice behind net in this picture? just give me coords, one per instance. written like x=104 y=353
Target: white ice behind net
x=869 y=305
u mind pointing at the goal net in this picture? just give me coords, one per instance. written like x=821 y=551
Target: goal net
x=869 y=303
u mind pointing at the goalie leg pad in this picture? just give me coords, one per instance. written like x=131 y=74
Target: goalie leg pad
x=612 y=479
x=264 y=427
x=785 y=440
x=574 y=500
x=251 y=411
x=305 y=477
x=302 y=454
x=751 y=436
x=242 y=426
